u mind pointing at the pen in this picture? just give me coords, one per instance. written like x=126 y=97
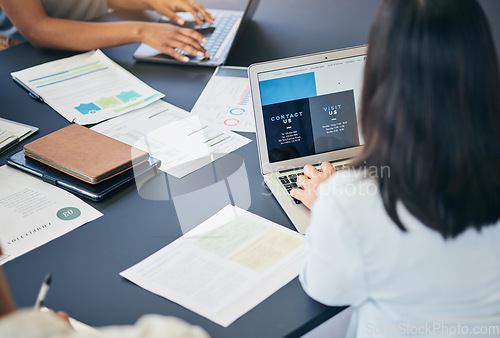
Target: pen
x=35 y=96
x=30 y=92
x=44 y=289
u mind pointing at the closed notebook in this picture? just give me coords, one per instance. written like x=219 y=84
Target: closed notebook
x=84 y=153
x=95 y=192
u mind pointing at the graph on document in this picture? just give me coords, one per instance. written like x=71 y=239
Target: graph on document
x=88 y=88
x=235 y=114
x=119 y=102
x=131 y=98
x=226 y=100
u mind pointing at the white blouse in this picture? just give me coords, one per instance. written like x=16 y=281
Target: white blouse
x=411 y=283
x=30 y=324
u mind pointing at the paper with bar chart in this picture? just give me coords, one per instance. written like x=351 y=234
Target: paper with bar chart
x=226 y=101
x=87 y=88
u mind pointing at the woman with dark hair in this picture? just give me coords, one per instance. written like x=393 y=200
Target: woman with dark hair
x=415 y=248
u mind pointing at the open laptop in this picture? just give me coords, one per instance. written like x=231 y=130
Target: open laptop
x=306 y=112
x=227 y=28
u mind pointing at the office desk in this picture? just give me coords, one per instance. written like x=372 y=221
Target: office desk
x=86 y=262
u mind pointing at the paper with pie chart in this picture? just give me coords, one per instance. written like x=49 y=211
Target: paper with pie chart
x=87 y=88
x=226 y=100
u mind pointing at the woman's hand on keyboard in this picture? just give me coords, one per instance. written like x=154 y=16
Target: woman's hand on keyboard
x=168 y=8
x=310 y=181
x=167 y=38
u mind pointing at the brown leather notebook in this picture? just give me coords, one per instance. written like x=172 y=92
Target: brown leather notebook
x=84 y=153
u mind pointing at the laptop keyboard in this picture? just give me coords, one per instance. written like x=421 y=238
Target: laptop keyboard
x=289 y=181
x=216 y=34
x=223 y=23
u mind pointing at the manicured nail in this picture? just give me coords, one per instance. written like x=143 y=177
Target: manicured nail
x=185 y=59
x=204 y=40
x=200 y=54
x=180 y=22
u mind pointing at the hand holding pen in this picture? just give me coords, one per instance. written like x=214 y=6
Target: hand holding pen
x=42 y=294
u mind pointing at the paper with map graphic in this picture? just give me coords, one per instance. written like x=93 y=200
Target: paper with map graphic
x=224 y=267
x=87 y=88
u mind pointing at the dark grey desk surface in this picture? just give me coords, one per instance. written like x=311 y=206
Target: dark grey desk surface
x=86 y=262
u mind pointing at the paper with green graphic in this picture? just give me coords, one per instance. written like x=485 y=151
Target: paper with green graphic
x=224 y=267
x=87 y=88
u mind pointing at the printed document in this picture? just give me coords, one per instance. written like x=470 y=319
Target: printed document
x=226 y=101
x=87 y=88
x=12 y=133
x=179 y=139
x=224 y=267
x=34 y=213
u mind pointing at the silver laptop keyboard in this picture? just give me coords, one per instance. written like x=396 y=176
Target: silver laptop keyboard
x=289 y=181
x=217 y=33
x=223 y=24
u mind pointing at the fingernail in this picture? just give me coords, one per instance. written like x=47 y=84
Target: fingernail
x=204 y=40
x=200 y=54
x=180 y=22
x=185 y=59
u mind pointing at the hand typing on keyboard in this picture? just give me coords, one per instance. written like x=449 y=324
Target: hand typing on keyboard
x=309 y=182
x=170 y=8
x=180 y=39
x=38 y=27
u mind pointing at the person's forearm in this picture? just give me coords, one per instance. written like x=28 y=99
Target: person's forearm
x=77 y=35
x=7 y=304
x=128 y=4
x=43 y=31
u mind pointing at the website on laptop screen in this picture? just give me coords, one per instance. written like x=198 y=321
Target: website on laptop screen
x=312 y=109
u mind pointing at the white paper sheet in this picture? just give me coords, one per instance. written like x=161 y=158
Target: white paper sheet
x=9 y=130
x=34 y=213
x=87 y=88
x=226 y=101
x=172 y=135
x=12 y=133
x=224 y=267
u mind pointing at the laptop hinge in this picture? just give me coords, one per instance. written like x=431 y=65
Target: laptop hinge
x=317 y=165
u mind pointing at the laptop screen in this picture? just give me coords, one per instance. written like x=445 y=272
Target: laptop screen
x=311 y=109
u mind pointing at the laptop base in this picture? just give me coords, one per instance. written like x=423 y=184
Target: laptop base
x=299 y=214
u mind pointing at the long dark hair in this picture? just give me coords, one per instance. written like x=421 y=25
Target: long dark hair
x=431 y=113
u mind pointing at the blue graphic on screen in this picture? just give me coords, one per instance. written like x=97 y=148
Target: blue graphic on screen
x=287 y=88
x=334 y=121
x=299 y=123
x=288 y=130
